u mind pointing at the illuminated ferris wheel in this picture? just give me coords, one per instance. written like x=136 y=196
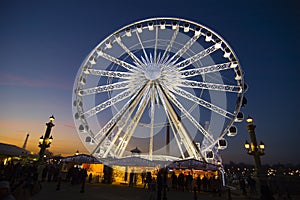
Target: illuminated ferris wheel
x=170 y=87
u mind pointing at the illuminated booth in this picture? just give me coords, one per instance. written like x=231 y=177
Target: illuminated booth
x=123 y=167
x=90 y=163
x=118 y=171
x=194 y=167
x=137 y=166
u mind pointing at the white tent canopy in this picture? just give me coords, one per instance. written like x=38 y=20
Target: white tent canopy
x=12 y=150
x=192 y=164
x=81 y=158
x=133 y=161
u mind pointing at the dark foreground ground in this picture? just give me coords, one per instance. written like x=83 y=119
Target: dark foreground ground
x=114 y=192
x=122 y=192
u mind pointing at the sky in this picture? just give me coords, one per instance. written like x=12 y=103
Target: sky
x=43 y=43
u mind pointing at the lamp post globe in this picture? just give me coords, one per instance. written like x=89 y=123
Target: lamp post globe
x=249 y=120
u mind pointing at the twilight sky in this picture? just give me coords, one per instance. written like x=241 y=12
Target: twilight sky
x=43 y=43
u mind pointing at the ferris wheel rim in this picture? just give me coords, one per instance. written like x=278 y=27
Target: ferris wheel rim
x=238 y=106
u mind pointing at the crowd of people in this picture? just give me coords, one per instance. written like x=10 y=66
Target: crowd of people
x=20 y=180
x=186 y=182
x=76 y=175
x=182 y=182
x=23 y=179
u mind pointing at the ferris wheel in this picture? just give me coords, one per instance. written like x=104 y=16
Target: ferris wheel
x=170 y=87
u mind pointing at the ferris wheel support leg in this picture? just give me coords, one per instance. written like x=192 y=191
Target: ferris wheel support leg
x=175 y=136
x=171 y=124
x=109 y=132
x=120 y=128
x=188 y=143
x=133 y=124
x=152 y=123
x=123 y=141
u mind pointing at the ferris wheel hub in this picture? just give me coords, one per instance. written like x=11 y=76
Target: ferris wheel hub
x=153 y=71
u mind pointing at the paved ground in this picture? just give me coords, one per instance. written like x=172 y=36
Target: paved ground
x=123 y=192
x=116 y=192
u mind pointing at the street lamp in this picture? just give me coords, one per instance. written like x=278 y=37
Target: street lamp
x=247 y=145
x=249 y=120
x=254 y=149
x=46 y=140
x=262 y=146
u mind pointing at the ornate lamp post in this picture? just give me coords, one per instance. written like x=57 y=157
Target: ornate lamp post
x=46 y=140
x=255 y=150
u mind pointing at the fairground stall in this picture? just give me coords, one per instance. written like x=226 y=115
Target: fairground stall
x=195 y=168
x=132 y=167
x=91 y=164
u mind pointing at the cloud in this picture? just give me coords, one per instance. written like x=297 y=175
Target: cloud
x=16 y=80
x=70 y=126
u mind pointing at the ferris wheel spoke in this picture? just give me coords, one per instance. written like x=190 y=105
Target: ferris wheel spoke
x=185 y=137
x=169 y=47
x=193 y=120
x=111 y=124
x=125 y=48
x=133 y=124
x=179 y=53
x=190 y=117
x=186 y=62
x=203 y=103
x=210 y=86
x=206 y=70
x=110 y=74
x=119 y=62
x=104 y=88
x=156 y=42
x=143 y=48
x=110 y=102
